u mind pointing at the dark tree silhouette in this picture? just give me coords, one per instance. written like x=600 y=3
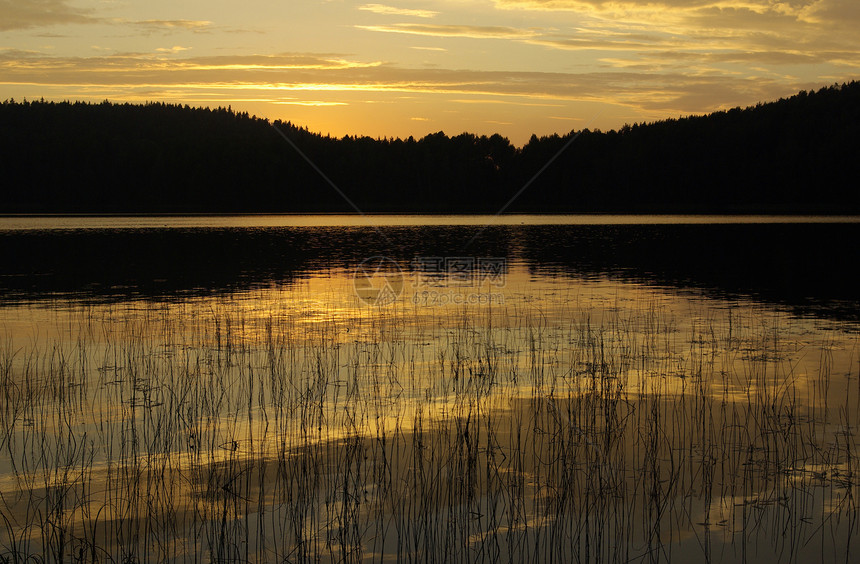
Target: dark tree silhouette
x=796 y=155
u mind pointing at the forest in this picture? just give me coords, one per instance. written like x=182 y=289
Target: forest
x=794 y=155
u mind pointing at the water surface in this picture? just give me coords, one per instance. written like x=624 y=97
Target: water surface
x=544 y=388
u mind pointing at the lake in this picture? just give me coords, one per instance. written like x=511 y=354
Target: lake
x=436 y=388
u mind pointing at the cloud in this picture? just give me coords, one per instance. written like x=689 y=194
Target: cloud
x=270 y=77
x=761 y=57
x=15 y=14
x=736 y=36
x=392 y=11
x=166 y=26
x=472 y=31
x=725 y=15
x=484 y=101
x=131 y=68
x=284 y=61
x=716 y=32
x=782 y=16
x=607 y=42
x=174 y=49
x=628 y=6
x=309 y=103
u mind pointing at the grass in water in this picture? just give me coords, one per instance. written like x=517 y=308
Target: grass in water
x=177 y=432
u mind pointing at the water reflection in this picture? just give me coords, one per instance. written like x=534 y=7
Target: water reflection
x=804 y=266
x=224 y=393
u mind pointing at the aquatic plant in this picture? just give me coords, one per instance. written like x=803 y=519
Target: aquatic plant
x=222 y=430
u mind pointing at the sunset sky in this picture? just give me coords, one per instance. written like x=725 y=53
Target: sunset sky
x=411 y=67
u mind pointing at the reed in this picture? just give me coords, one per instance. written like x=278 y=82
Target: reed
x=215 y=430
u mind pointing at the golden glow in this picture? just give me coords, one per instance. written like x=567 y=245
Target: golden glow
x=472 y=31
x=621 y=60
x=392 y=11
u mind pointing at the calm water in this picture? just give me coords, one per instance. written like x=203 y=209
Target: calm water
x=518 y=388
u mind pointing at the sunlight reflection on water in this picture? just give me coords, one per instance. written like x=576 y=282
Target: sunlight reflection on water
x=643 y=420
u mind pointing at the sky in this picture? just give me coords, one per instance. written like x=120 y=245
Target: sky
x=412 y=67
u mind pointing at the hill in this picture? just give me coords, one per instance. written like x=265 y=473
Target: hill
x=795 y=155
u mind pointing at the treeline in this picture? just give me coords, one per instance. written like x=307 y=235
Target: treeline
x=795 y=155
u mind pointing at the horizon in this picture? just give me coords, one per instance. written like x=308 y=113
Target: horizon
x=411 y=68
x=449 y=134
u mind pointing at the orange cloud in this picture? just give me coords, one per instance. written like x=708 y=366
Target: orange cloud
x=473 y=31
x=39 y=13
x=392 y=11
x=264 y=75
x=172 y=25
